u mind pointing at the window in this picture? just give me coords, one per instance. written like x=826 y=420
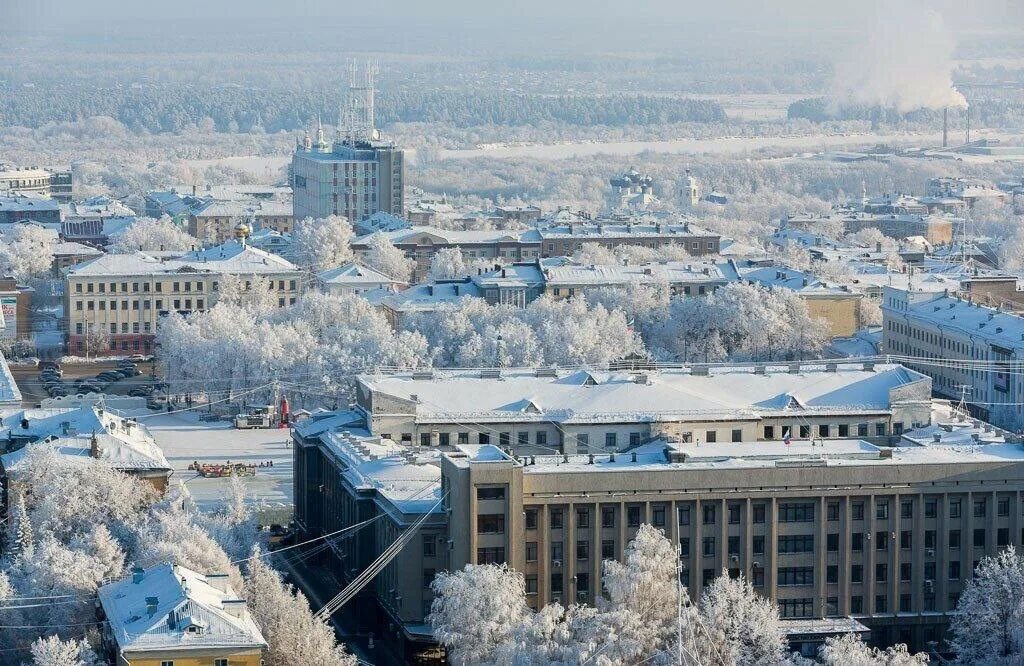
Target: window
x=708 y=575
x=832 y=607
x=582 y=584
x=1003 y=506
x=709 y=547
x=711 y=436
x=769 y=432
x=607 y=516
x=531 y=584
x=758 y=544
x=929 y=538
x=857 y=510
x=832 y=543
x=734 y=514
x=504 y=439
x=709 y=514
x=979 y=538
x=906 y=509
x=633 y=516
x=793 y=576
x=979 y=508
x=906 y=570
x=856 y=604
x=542 y=438
x=610 y=440
x=734 y=545
x=425 y=441
x=789 y=608
x=796 y=543
x=583 y=442
x=833 y=511
x=167 y=662
x=582 y=550
x=608 y=549
x=658 y=516
x=759 y=513
x=881 y=603
x=737 y=435
x=856 y=573
x=954 y=538
x=882 y=510
x=582 y=518
x=954 y=571
x=929 y=571
x=556 y=583
x=522 y=438
x=904 y=603
x=862 y=429
x=428 y=577
x=429 y=545
x=684 y=515
x=531 y=551
x=634 y=439
x=490 y=523
x=823 y=430
x=881 y=572
x=556 y=519
x=954 y=508
x=881 y=541
x=905 y=540
x=1003 y=537
x=556 y=551
x=463 y=438
x=844 y=430
x=832 y=574
x=796 y=513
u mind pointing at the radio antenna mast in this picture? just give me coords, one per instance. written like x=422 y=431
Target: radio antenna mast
x=356 y=118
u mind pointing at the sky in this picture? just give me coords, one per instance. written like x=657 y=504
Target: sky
x=835 y=14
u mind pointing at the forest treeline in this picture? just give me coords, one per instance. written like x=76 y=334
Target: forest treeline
x=173 y=107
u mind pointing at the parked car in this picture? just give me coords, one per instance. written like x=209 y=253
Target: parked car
x=108 y=376
x=52 y=371
x=141 y=392
x=49 y=365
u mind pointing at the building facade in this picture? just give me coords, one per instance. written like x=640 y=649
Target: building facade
x=352 y=180
x=34 y=181
x=971 y=351
x=119 y=299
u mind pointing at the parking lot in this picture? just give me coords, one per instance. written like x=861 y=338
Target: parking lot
x=33 y=390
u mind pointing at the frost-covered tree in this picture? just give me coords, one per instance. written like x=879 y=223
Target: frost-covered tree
x=850 y=650
x=988 y=626
x=869 y=312
x=26 y=250
x=172 y=534
x=743 y=623
x=151 y=235
x=232 y=525
x=447 y=264
x=382 y=255
x=95 y=341
x=52 y=651
x=293 y=634
x=251 y=293
x=322 y=243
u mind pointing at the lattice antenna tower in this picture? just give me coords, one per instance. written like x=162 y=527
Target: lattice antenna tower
x=356 y=116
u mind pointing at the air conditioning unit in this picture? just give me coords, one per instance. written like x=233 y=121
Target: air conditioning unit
x=930 y=552
x=557 y=564
x=451 y=544
x=734 y=558
x=929 y=586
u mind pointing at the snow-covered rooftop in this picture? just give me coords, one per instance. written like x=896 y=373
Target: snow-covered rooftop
x=355 y=274
x=171 y=607
x=27 y=204
x=10 y=394
x=427 y=297
x=230 y=257
x=802 y=282
x=670 y=271
x=123 y=443
x=960 y=316
x=584 y=396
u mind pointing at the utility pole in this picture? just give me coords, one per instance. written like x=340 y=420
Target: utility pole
x=679 y=605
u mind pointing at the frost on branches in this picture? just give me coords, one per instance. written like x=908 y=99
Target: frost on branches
x=850 y=650
x=152 y=235
x=293 y=633
x=322 y=243
x=447 y=264
x=382 y=255
x=988 y=627
x=26 y=250
x=52 y=651
x=481 y=616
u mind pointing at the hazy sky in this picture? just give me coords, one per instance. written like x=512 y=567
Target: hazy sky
x=753 y=13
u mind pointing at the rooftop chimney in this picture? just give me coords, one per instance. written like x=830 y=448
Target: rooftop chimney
x=137 y=574
x=218 y=581
x=234 y=607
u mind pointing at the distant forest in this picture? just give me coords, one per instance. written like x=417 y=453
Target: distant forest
x=1002 y=109
x=173 y=107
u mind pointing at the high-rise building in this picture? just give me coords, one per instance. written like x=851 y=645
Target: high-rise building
x=355 y=176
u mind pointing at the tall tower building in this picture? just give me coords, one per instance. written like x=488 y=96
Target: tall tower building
x=689 y=190
x=358 y=174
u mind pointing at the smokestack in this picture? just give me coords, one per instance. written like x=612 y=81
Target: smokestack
x=945 y=127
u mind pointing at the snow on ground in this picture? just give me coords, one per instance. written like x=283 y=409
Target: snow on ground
x=184 y=439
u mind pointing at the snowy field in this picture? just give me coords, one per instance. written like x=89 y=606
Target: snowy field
x=184 y=439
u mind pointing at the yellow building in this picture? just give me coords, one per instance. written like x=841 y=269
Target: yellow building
x=172 y=616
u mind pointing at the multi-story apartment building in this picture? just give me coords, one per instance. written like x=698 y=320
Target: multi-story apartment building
x=94 y=220
x=215 y=221
x=123 y=296
x=352 y=179
x=936 y=229
x=168 y=615
x=829 y=528
x=34 y=181
x=969 y=350
x=19 y=208
x=587 y=411
x=546 y=240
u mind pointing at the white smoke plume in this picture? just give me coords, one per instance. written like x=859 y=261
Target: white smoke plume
x=904 y=61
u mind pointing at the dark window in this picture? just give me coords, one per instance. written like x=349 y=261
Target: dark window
x=906 y=509
x=1003 y=537
x=531 y=519
x=833 y=511
x=531 y=585
x=496 y=493
x=796 y=513
x=504 y=439
x=609 y=440
x=930 y=508
x=463 y=438
x=881 y=572
x=428 y=577
x=832 y=574
x=929 y=538
x=607 y=516
x=844 y=430
x=490 y=555
x=856 y=604
x=881 y=541
x=857 y=511
x=954 y=508
x=823 y=430
x=791 y=576
x=791 y=608
x=905 y=539
x=857 y=542
x=556 y=582
x=556 y=551
x=954 y=538
x=881 y=603
x=734 y=545
x=556 y=519
x=658 y=516
x=709 y=514
x=429 y=545
x=523 y=438
x=711 y=436
x=832 y=607
x=1003 y=506
x=882 y=510
x=633 y=516
x=582 y=550
x=737 y=435
x=796 y=543
x=582 y=583
x=490 y=523
x=684 y=515
x=905 y=571
x=832 y=543
x=684 y=546
x=904 y=603
x=769 y=432
x=608 y=549
x=531 y=551
x=979 y=508
x=582 y=518
x=759 y=513
x=734 y=514
x=708 y=575
x=485 y=438
x=709 y=547
x=758 y=544
x=954 y=570
x=856 y=573
x=979 y=538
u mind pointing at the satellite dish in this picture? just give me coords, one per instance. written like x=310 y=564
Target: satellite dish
x=375 y=135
